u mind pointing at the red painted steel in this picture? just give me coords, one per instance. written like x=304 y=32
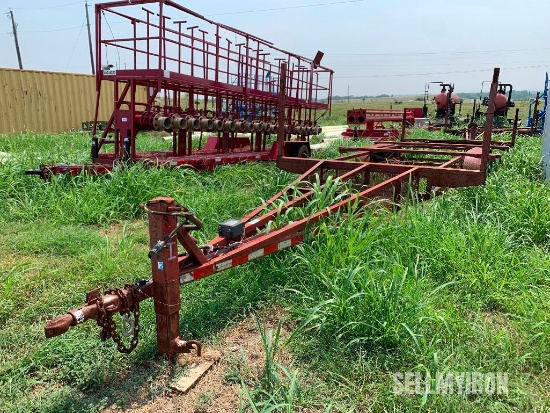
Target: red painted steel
x=201 y=77
x=371 y=123
x=163 y=220
x=200 y=74
x=377 y=174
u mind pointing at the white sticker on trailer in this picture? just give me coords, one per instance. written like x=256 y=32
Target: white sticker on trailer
x=124 y=119
x=79 y=315
x=256 y=254
x=218 y=159
x=185 y=278
x=109 y=72
x=284 y=244
x=223 y=265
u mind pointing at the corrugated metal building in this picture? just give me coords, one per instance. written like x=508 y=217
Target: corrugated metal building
x=39 y=101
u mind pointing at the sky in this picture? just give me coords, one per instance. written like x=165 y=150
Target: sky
x=374 y=46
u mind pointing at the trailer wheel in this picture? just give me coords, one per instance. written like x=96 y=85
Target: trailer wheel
x=301 y=151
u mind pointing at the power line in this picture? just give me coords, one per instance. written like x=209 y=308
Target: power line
x=465 y=52
x=46 y=7
x=287 y=8
x=112 y=34
x=413 y=64
x=438 y=73
x=76 y=43
x=50 y=31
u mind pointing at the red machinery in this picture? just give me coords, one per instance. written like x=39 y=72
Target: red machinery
x=387 y=170
x=503 y=101
x=200 y=77
x=445 y=103
x=370 y=123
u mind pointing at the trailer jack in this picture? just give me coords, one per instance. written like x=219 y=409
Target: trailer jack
x=164 y=288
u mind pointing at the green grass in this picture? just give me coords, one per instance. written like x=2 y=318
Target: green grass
x=460 y=283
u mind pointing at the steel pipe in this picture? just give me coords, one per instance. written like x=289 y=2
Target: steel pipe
x=178 y=123
x=193 y=123
x=229 y=126
x=243 y=126
x=161 y=122
x=218 y=124
x=257 y=126
x=239 y=125
x=206 y=123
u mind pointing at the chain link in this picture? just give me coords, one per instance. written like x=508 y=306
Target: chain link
x=108 y=325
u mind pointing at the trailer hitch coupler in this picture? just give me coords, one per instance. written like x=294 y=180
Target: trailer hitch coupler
x=59 y=325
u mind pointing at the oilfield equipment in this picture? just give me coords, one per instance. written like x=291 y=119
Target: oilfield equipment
x=201 y=77
x=379 y=124
x=383 y=173
x=503 y=102
x=446 y=101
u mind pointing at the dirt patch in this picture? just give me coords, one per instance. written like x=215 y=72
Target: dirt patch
x=242 y=356
x=498 y=322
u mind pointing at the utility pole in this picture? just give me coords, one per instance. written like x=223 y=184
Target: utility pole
x=348 y=93
x=14 y=28
x=90 y=38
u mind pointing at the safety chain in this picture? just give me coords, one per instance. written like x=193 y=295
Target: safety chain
x=108 y=325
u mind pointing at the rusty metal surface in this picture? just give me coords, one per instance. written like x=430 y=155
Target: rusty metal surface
x=373 y=123
x=203 y=70
x=374 y=183
x=201 y=76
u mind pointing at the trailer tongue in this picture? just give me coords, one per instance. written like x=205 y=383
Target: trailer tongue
x=363 y=178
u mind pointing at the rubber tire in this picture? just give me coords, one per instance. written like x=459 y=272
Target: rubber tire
x=301 y=151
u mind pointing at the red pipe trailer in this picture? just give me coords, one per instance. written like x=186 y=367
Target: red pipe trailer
x=200 y=77
x=372 y=123
x=177 y=259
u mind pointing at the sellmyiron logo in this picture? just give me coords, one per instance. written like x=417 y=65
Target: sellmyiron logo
x=469 y=382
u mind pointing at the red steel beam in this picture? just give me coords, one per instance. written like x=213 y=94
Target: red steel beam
x=170 y=269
